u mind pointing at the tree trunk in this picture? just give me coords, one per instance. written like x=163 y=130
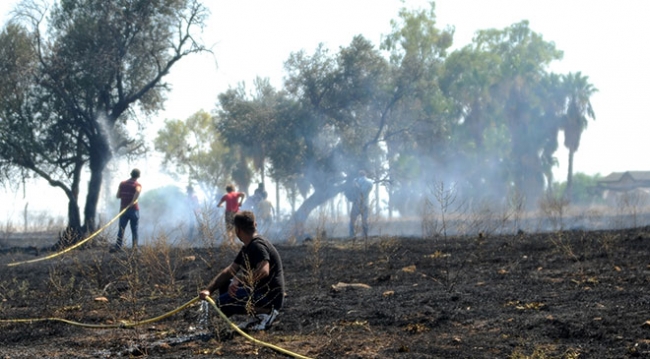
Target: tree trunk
x=73 y=232
x=99 y=157
x=25 y=217
x=92 y=199
x=569 y=177
x=312 y=202
x=277 y=201
x=377 y=204
x=74 y=216
x=389 y=189
x=549 y=180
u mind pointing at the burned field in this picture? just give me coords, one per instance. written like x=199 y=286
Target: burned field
x=568 y=294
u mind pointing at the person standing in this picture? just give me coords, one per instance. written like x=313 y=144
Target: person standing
x=265 y=212
x=253 y=284
x=128 y=192
x=361 y=187
x=252 y=201
x=233 y=200
x=259 y=194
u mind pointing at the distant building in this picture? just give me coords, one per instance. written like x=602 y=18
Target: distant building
x=628 y=183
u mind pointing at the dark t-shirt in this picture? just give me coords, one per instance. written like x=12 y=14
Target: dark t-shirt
x=257 y=251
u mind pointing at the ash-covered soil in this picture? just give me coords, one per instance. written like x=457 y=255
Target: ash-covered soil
x=556 y=295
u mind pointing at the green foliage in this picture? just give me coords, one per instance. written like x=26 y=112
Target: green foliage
x=585 y=189
x=193 y=149
x=16 y=68
x=18 y=62
x=579 y=109
x=486 y=116
x=578 y=91
x=249 y=123
x=344 y=98
x=524 y=57
x=77 y=70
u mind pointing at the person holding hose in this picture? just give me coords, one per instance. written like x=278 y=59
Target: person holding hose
x=128 y=192
x=253 y=284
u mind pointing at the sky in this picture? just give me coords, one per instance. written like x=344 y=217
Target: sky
x=603 y=40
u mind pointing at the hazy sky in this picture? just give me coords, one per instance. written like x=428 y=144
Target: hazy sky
x=604 y=40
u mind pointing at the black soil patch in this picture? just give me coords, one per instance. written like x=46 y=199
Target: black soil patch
x=556 y=295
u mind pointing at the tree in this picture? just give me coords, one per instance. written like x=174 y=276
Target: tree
x=519 y=99
x=34 y=141
x=17 y=66
x=340 y=109
x=193 y=149
x=551 y=90
x=94 y=64
x=578 y=111
x=342 y=101
x=247 y=122
x=417 y=117
x=480 y=139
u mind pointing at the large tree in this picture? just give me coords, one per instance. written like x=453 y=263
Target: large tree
x=480 y=139
x=343 y=99
x=247 y=121
x=520 y=102
x=341 y=109
x=417 y=117
x=551 y=91
x=98 y=65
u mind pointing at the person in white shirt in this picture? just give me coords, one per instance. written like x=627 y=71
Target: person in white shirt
x=360 y=202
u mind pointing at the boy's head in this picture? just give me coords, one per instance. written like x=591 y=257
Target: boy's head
x=245 y=221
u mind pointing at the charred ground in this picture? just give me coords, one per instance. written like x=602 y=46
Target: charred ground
x=568 y=294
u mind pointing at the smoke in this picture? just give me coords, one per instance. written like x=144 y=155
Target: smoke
x=163 y=211
x=462 y=196
x=442 y=204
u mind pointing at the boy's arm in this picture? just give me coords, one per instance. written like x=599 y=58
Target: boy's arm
x=222 y=278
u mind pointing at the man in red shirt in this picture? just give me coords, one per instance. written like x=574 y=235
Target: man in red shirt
x=128 y=193
x=233 y=200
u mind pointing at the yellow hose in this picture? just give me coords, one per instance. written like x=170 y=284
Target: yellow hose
x=121 y=324
x=77 y=244
x=245 y=335
x=127 y=324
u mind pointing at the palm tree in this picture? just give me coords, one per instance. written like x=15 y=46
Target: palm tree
x=578 y=111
